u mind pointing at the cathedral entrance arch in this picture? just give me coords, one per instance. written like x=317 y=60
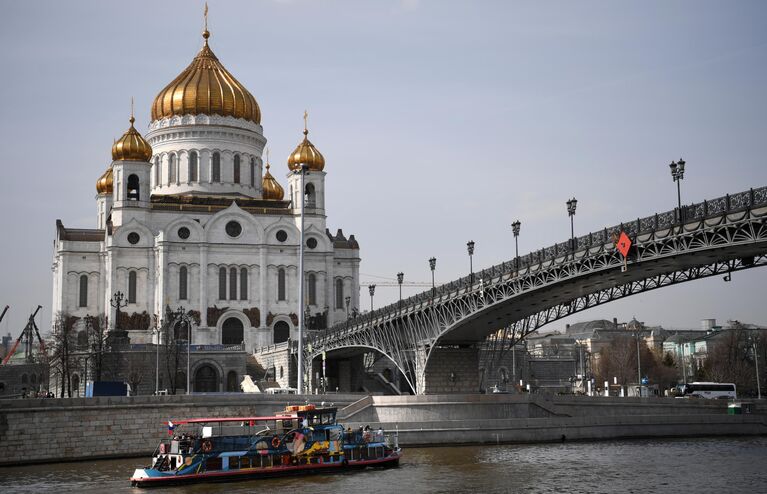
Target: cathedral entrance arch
x=281 y=332
x=206 y=379
x=232 y=332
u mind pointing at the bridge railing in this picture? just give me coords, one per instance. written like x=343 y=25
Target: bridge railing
x=731 y=203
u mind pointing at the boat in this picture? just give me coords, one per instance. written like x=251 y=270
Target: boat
x=302 y=439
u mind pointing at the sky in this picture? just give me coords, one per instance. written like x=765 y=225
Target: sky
x=440 y=122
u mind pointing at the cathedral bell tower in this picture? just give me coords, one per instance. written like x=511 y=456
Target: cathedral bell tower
x=314 y=180
x=130 y=174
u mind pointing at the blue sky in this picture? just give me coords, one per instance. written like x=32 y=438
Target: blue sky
x=440 y=121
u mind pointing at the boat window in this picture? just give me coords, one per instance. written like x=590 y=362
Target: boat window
x=234 y=463
x=213 y=464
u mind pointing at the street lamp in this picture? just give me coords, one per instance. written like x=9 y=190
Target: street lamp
x=181 y=318
x=470 y=248
x=400 y=278
x=756 y=366
x=348 y=300
x=372 y=291
x=515 y=229
x=677 y=175
x=432 y=265
x=571 y=204
x=639 y=368
x=303 y=169
x=117 y=303
x=156 y=334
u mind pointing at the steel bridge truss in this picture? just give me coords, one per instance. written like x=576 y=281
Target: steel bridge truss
x=503 y=304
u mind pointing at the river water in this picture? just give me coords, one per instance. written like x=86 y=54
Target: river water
x=731 y=465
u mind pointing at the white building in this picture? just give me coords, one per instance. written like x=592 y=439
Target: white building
x=188 y=217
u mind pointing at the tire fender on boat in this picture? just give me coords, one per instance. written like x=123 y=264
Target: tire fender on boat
x=207 y=446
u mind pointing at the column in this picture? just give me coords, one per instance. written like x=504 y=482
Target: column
x=151 y=277
x=162 y=261
x=262 y=286
x=203 y=285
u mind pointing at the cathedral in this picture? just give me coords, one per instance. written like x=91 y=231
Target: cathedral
x=189 y=215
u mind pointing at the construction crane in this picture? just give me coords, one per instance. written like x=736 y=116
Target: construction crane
x=3 y=314
x=28 y=331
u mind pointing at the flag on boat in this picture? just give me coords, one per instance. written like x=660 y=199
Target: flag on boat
x=170 y=428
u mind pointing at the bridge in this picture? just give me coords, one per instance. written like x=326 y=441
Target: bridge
x=430 y=335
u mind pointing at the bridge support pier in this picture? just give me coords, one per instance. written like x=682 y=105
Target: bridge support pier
x=447 y=370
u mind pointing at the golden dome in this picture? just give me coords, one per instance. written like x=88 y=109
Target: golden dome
x=305 y=152
x=131 y=146
x=206 y=87
x=272 y=189
x=105 y=182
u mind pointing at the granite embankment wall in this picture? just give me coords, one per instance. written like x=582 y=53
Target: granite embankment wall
x=83 y=428
x=52 y=430
x=482 y=419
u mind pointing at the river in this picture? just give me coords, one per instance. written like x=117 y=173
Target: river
x=637 y=466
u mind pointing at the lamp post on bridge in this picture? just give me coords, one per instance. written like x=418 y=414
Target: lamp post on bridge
x=400 y=279
x=515 y=229
x=348 y=301
x=677 y=175
x=432 y=266
x=470 y=248
x=372 y=290
x=571 y=204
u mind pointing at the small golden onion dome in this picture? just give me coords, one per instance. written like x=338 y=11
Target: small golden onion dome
x=305 y=152
x=104 y=185
x=207 y=88
x=131 y=146
x=272 y=189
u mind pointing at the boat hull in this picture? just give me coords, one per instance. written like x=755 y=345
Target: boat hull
x=148 y=478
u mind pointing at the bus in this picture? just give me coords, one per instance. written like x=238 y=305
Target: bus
x=724 y=391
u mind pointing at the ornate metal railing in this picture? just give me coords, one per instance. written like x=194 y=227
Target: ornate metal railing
x=729 y=204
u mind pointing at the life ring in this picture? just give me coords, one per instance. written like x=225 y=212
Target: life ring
x=276 y=442
x=207 y=446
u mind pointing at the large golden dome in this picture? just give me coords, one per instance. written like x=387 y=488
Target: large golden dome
x=305 y=152
x=272 y=189
x=105 y=183
x=131 y=146
x=206 y=87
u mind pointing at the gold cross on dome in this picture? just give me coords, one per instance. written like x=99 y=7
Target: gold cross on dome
x=306 y=120
x=205 y=15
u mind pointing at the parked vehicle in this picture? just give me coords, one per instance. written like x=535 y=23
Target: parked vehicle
x=711 y=390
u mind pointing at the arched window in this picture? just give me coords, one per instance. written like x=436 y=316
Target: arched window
x=236 y=168
x=310 y=197
x=76 y=385
x=182 y=283
x=222 y=284
x=133 y=189
x=193 y=176
x=312 y=289
x=205 y=379
x=233 y=284
x=171 y=169
x=215 y=168
x=281 y=284
x=157 y=171
x=232 y=331
x=339 y=293
x=281 y=332
x=231 y=382
x=83 y=291
x=244 y=284
x=24 y=379
x=132 y=287
x=252 y=172
x=282 y=372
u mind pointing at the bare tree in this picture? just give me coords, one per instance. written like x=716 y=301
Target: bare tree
x=63 y=357
x=730 y=359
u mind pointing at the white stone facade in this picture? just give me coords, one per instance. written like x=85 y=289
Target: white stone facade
x=177 y=244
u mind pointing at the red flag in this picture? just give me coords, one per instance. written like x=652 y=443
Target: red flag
x=624 y=244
